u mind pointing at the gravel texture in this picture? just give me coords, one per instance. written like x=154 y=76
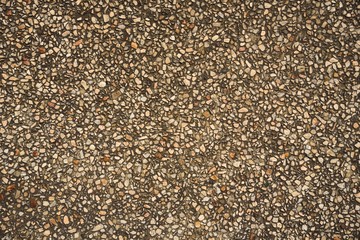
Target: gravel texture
x=146 y=119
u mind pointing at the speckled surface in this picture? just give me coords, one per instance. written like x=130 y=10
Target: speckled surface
x=179 y=119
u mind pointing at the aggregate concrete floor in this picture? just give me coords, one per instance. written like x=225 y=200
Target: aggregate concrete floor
x=147 y=119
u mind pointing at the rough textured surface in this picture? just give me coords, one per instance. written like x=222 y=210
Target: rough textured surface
x=179 y=120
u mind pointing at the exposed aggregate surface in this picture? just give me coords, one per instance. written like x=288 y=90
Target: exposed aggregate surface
x=178 y=119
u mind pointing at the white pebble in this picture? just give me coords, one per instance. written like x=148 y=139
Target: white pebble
x=102 y=84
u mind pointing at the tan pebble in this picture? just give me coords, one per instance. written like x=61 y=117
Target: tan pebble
x=214 y=38
x=252 y=72
x=102 y=213
x=66 y=220
x=167 y=60
x=213 y=169
x=307 y=135
x=98 y=227
x=214 y=177
x=106 y=18
x=285 y=155
x=315 y=121
x=243 y=110
x=206 y=114
x=128 y=137
x=220 y=209
x=52 y=221
x=197 y=224
x=102 y=84
x=267 y=5
x=356 y=125
x=134 y=45
x=104 y=181
x=232 y=155
x=46 y=232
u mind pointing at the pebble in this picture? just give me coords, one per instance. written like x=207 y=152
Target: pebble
x=307 y=135
x=102 y=84
x=134 y=45
x=106 y=18
x=267 y=5
x=252 y=72
x=66 y=220
x=98 y=228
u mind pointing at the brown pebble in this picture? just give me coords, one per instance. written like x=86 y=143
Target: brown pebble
x=104 y=181
x=242 y=49
x=51 y=104
x=182 y=162
x=35 y=153
x=8 y=13
x=285 y=155
x=26 y=61
x=336 y=237
x=1 y=197
x=78 y=42
x=106 y=158
x=10 y=187
x=206 y=114
x=232 y=155
x=158 y=155
x=33 y=203
x=42 y=50
x=17 y=152
x=76 y=162
x=252 y=235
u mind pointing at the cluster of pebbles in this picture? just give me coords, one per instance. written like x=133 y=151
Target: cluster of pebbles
x=147 y=119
